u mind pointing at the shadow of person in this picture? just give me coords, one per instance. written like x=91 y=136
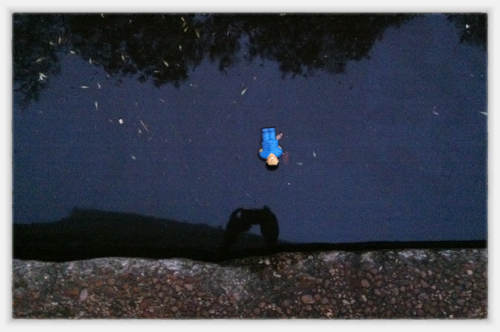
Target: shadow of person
x=241 y=220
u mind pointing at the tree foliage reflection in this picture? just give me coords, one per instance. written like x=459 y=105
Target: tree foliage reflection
x=164 y=48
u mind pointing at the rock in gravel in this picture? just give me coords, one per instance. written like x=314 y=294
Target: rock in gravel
x=307 y=299
x=83 y=294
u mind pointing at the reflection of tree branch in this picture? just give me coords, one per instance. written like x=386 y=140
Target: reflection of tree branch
x=163 y=48
x=35 y=41
x=472 y=27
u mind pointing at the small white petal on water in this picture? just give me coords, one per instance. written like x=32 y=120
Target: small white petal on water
x=133 y=157
x=40 y=59
x=314 y=154
x=484 y=113
x=165 y=62
x=98 y=85
x=84 y=87
x=59 y=40
x=180 y=48
x=42 y=76
x=72 y=52
x=300 y=164
x=197 y=33
x=96 y=106
x=243 y=91
x=90 y=60
x=120 y=121
x=467 y=26
x=162 y=100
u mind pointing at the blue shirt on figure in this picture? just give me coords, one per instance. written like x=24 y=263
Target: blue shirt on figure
x=270 y=150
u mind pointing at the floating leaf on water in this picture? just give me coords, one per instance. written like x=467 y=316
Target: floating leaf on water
x=243 y=91
x=165 y=62
x=145 y=127
x=286 y=157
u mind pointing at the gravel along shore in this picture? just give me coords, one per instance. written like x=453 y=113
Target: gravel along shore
x=384 y=284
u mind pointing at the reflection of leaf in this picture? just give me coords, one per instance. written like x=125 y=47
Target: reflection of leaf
x=286 y=157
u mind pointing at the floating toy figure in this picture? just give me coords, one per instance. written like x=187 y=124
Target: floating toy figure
x=270 y=150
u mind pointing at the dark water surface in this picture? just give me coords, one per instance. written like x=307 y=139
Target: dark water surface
x=384 y=122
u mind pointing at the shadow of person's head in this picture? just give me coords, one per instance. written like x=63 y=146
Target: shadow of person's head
x=241 y=220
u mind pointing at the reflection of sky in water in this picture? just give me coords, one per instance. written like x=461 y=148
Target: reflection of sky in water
x=392 y=149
